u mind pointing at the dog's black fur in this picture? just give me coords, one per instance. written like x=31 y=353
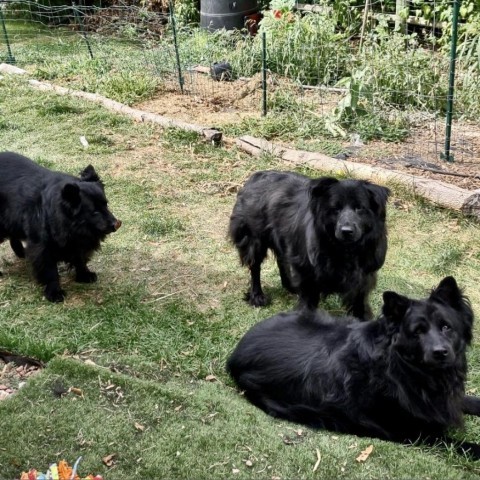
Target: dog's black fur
x=328 y=236
x=400 y=378
x=51 y=217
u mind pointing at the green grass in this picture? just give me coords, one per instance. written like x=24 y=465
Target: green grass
x=167 y=310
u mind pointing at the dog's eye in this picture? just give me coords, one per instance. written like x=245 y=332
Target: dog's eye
x=446 y=328
x=360 y=210
x=419 y=330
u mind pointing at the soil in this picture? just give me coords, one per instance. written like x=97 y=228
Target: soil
x=15 y=370
x=213 y=103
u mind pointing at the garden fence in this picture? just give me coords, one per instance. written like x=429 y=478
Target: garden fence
x=372 y=90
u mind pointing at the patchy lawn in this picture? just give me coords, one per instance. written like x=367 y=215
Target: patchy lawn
x=146 y=345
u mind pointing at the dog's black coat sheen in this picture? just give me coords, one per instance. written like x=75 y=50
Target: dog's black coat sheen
x=400 y=378
x=328 y=236
x=51 y=217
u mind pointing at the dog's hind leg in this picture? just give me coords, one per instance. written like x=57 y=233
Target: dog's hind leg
x=471 y=405
x=252 y=252
x=284 y=276
x=255 y=295
x=46 y=273
x=17 y=247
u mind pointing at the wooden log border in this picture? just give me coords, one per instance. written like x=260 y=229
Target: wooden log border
x=437 y=192
x=211 y=134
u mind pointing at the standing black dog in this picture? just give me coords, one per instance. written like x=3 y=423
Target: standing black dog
x=51 y=217
x=328 y=236
x=399 y=378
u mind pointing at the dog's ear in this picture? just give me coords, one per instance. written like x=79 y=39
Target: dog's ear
x=395 y=306
x=89 y=175
x=71 y=194
x=448 y=293
x=320 y=186
x=378 y=195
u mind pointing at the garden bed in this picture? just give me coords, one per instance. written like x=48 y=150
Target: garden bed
x=219 y=104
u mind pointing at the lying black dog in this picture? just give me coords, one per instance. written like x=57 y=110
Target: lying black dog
x=328 y=236
x=51 y=217
x=400 y=378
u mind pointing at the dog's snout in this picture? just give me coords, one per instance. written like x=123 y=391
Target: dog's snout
x=347 y=230
x=116 y=225
x=440 y=353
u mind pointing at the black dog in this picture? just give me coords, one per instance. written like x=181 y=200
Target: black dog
x=328 y=236
x=400 y=378
x=51 y=217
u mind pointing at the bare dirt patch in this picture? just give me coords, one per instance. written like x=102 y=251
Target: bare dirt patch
x=208 y=102
x=15 y=370
x=216 y=103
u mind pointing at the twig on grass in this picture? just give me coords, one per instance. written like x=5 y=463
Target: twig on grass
x=319 y=457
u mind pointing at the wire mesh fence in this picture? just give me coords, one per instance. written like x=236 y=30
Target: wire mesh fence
x=344 y=81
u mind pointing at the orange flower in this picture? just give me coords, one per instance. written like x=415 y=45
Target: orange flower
x=277 y=13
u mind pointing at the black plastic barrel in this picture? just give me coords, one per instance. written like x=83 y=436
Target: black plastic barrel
x=228 y=14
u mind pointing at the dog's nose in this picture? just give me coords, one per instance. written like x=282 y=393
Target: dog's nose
x=116 y=225
x=440 y=353
x=347 y=231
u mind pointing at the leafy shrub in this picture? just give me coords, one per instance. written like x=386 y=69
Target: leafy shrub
x=397 y=72
x=306 y=48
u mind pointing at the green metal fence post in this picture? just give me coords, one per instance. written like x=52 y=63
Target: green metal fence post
x=79 y=22
x=264 y=74
x=447 y=155
x=10 y=57
x=177 y=53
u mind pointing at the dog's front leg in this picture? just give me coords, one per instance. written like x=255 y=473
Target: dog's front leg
x=309 y=294
x=82 y=272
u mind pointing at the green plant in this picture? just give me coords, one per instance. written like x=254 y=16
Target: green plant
x=359 y=112
x=307 y=48
x=187 y=11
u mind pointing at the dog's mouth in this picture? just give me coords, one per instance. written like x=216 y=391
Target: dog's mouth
x=435 y=363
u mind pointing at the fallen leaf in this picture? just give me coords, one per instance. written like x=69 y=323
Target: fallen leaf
x=108 y=460
x=248 y=463
x=211 y=378
x=76 y=391
x=235 y=471
x=140 y=427
x=365 y=454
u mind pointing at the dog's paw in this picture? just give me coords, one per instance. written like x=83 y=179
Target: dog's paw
x=54 y=294
x=256 y=300
x=86 y=277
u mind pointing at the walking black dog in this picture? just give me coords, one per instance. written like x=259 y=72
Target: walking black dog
x=399 y=378
x=328 y=236
x=51 y=217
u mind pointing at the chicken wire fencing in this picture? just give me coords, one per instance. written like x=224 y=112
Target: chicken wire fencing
x=358 y=76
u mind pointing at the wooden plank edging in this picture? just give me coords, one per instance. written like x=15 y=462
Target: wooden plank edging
x=209 y=133
x=440 y=193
